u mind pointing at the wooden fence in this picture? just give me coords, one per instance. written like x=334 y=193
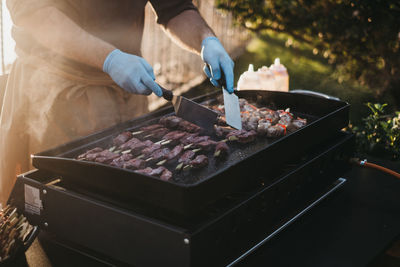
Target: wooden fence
x=177 y=68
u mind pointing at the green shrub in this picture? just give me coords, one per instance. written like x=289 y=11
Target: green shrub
x=360 y=38
x=380 y=133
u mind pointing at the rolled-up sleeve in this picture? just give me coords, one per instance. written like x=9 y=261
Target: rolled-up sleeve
x=166 y=10
x=22 y=8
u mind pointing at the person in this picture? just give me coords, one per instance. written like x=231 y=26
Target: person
x=79 y=70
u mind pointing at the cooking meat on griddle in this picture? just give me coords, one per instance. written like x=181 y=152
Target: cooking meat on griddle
x=186 y=157
x=93 y=151
x=285 y=117
x=222 y=131
x=166 y=175
x=199 y=162
x=122 y=138
x=120 y=161
x=174 y=136
x=152 y=172
x=221 y=150
x=159 y=133
x=150 y=149
x=151 y=127
x=159 y=155
x=277 y=130
x=263 y=126
x=242 y=136
x=134 y=164
x=129 y=143
x=207 y=145
x=189 y=127
x=296 y=124
x=106 y=156
x=171 y=122
x=174 y=154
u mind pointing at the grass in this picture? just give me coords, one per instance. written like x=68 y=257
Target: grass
x=306 y=70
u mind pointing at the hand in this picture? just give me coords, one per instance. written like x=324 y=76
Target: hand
x=131 y=73
x=215 y=56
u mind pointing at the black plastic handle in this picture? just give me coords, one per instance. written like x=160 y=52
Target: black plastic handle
x=167 y=94
x=222 y=81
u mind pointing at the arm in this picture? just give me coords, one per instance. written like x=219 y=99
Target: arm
x=190 y=31
x=54 y=30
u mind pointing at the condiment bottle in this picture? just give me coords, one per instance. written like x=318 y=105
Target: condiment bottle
x=267 y=79
x=249 y=80
x=281 y=76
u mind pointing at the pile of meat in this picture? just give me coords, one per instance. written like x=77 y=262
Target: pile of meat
x=172 y=145
x=263 y=122
x=175 y=145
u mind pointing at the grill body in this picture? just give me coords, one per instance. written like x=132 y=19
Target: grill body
x=246 y=167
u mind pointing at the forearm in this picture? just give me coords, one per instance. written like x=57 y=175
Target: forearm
x=54 y=30
x=188 y=29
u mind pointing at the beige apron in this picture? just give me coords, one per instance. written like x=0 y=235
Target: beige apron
x=45 y=106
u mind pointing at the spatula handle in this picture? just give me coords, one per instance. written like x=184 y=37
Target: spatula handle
x=167 y=94
x=221 y=82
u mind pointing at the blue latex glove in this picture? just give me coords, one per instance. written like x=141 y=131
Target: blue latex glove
x=215 y=56
x=131 y=73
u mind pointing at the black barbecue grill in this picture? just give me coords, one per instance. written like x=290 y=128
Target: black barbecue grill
x=210 y=217
x=192 y=190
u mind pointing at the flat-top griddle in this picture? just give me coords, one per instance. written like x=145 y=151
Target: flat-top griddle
x=246 y=166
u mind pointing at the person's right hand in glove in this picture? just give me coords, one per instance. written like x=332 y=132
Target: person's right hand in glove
x=131 y=73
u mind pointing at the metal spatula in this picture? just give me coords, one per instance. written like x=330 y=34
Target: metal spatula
x=231 y=104
x=191 y=111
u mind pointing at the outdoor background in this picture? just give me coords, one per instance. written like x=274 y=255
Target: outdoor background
x=347 y=49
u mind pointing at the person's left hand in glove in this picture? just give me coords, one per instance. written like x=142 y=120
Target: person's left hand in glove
x=218 y=60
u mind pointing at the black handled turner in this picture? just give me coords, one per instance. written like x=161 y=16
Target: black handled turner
x=191 y=111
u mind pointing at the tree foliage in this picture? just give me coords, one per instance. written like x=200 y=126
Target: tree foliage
x=361 y=37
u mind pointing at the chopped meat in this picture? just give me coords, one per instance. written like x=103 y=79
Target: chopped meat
x=199 y=162
x=147 y=171
x=120 y=161
x=160 y=154
x=135 y=164
x=242 y=136
x=106 y=156
x=277 y=130
x=221 y=149
x=166 y=175
x=189 y=127
x=207 y=145
x=137 y=148
x=92 y=156
x=129 y=143
x=150 y=149
x=174 y=154
x=222 y=131
x=159 y=133
x=271 y=115
x=296 y=124
x=158 y=171
x=122 y=138
x=151 y=127
x=189 y=138
x=263 y=126
x=187 y=157
x=91 y=151
x=174 y=135
x=171 y=122
x=285 y=117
